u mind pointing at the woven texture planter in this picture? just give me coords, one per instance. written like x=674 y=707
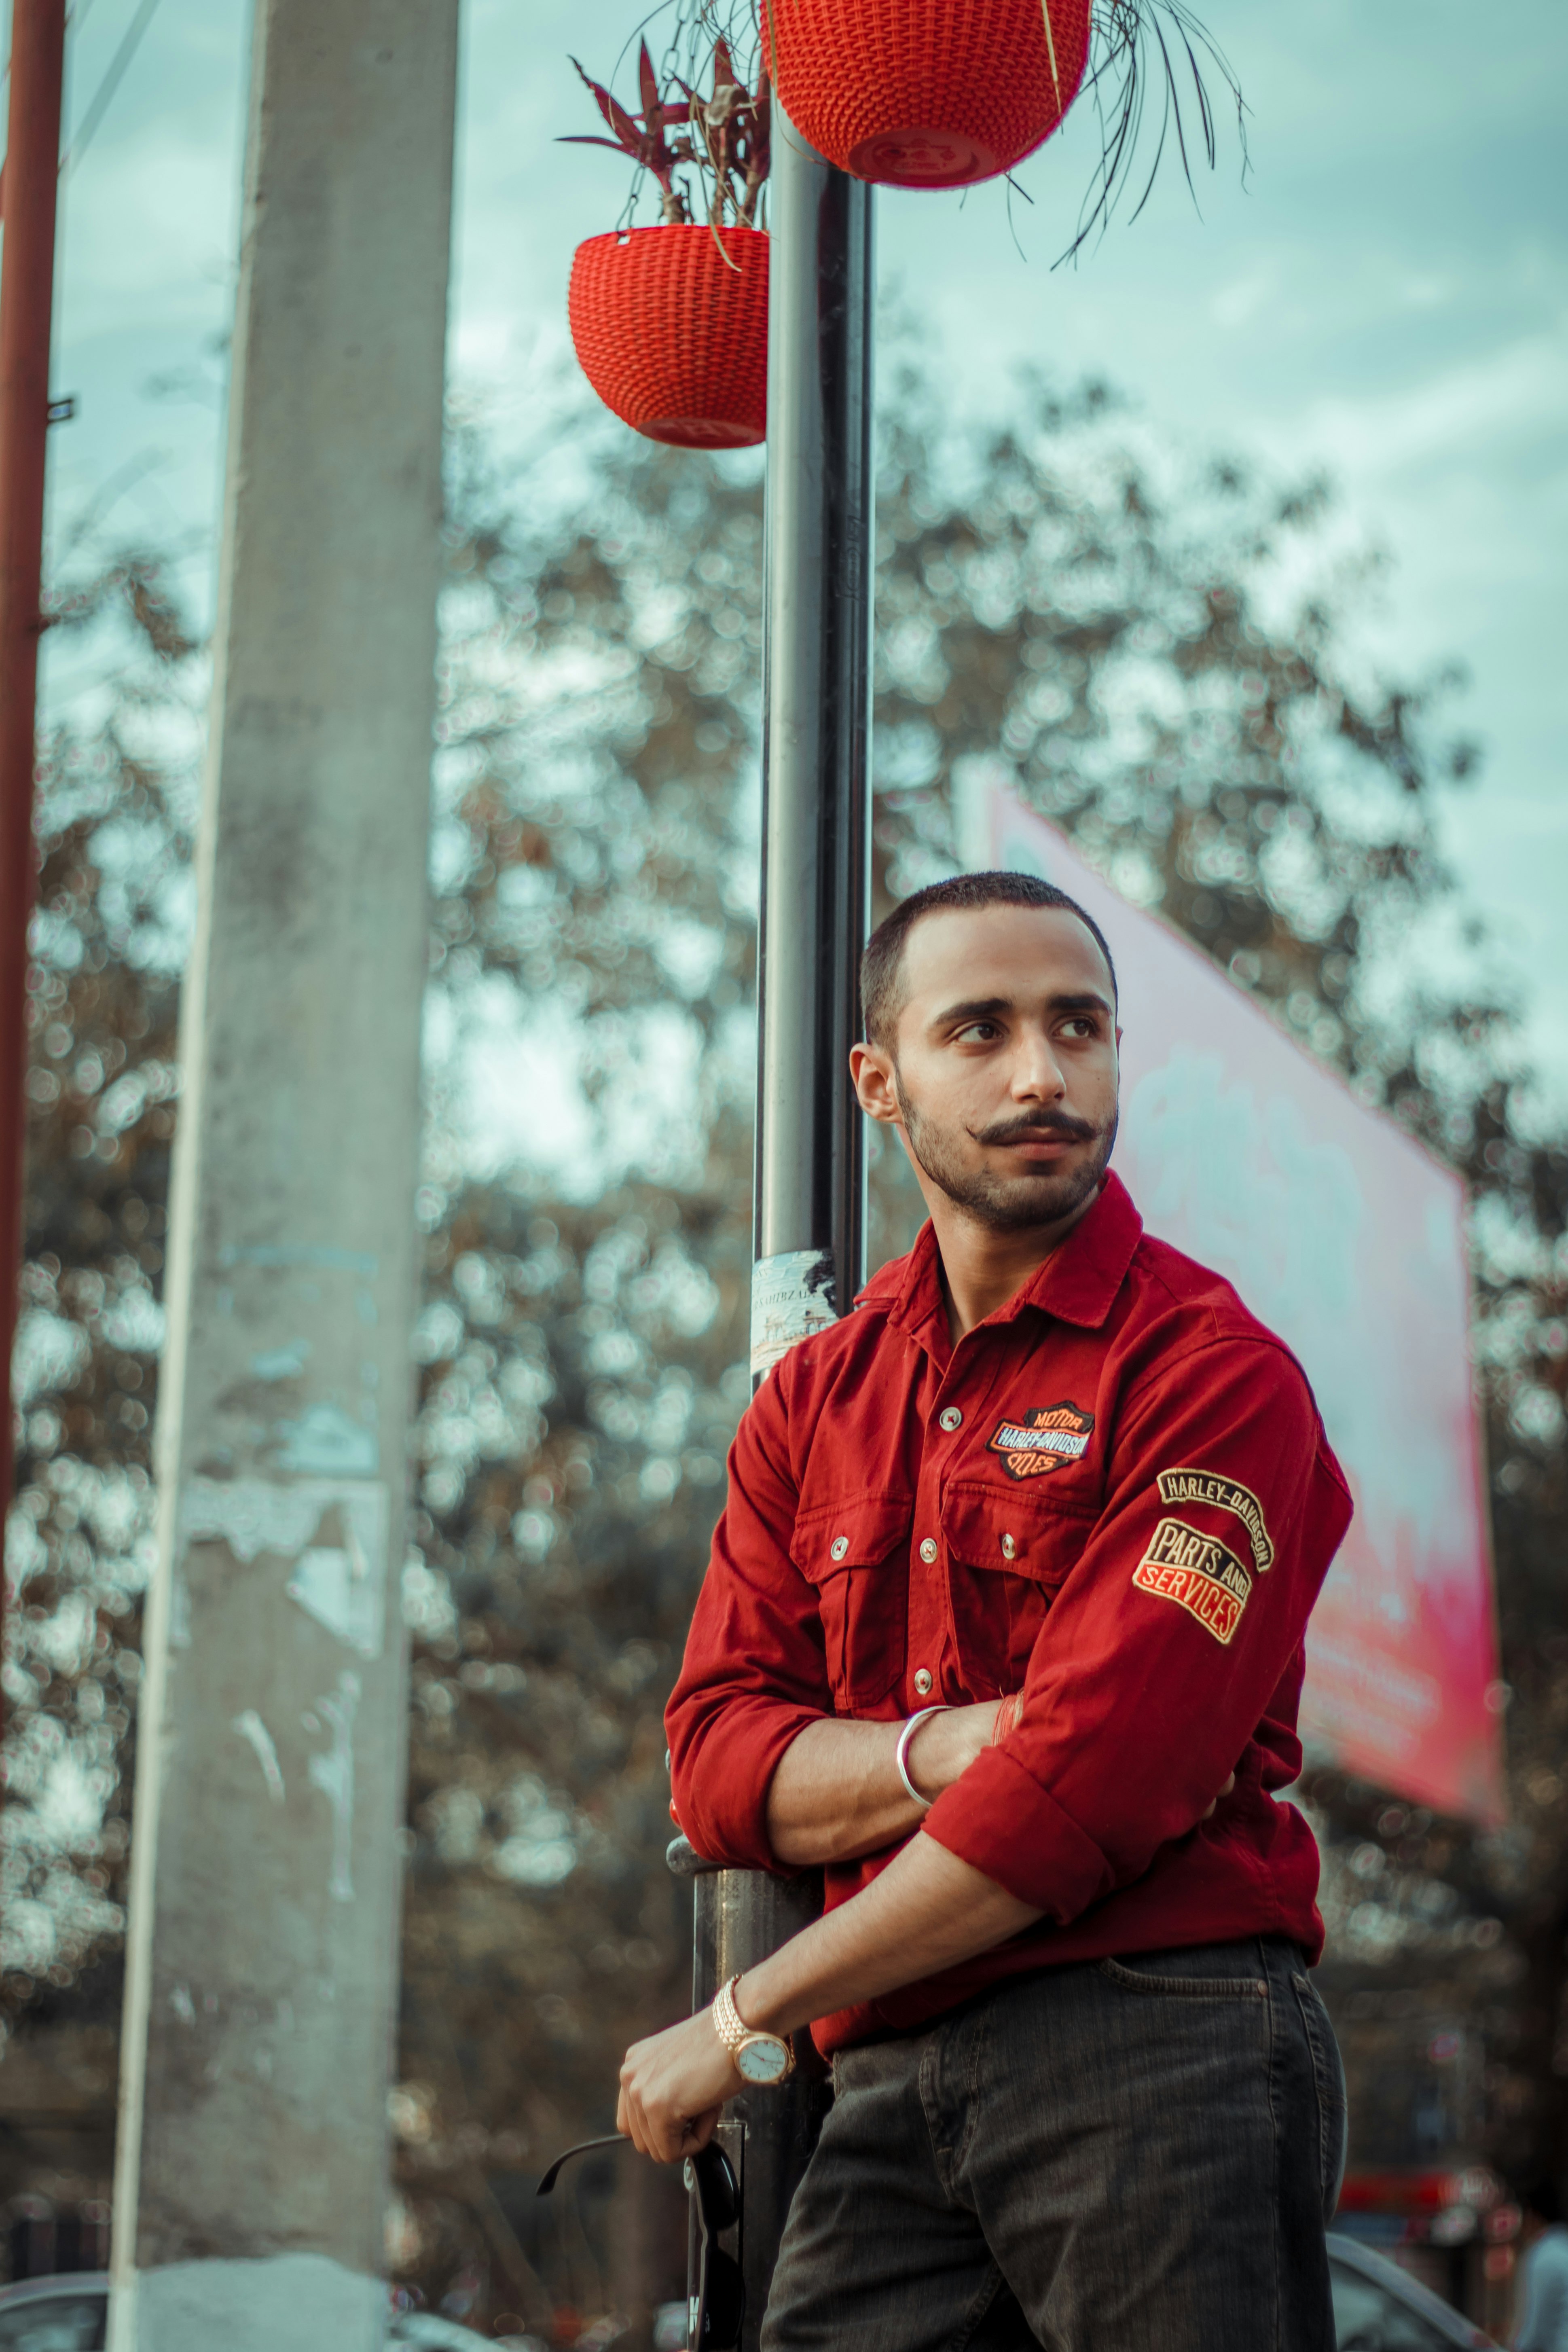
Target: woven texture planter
x=926 y=93
x=672 y=338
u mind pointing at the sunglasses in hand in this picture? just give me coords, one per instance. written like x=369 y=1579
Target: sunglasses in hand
x=719 y=2307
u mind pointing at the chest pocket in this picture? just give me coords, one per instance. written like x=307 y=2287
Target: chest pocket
x=857 y=1555
x=1007 y=1558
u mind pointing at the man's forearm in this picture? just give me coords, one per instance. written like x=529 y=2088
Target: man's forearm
x=836 y=1794
x=927 y=1911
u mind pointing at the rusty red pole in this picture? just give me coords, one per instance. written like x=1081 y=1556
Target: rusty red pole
x=27 y=297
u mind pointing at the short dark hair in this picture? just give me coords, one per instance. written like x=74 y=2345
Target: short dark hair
x=879 y=966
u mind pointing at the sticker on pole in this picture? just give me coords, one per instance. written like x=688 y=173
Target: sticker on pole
x=792 y=1296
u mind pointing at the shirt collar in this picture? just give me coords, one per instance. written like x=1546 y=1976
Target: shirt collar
x=1077 y=1283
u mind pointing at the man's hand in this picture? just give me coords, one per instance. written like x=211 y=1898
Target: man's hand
x=672 y=2088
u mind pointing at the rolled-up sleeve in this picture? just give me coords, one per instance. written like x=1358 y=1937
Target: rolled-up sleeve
x=754 y=1674
x=1170 y=1634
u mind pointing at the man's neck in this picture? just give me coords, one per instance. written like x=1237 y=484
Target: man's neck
x=982 y=1268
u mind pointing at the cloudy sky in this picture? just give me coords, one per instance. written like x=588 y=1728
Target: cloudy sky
x=1386 y=299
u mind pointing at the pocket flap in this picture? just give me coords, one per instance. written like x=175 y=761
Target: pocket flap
x=858 y=1534
x=988 y=1528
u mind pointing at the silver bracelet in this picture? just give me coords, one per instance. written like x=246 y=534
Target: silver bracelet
x=900 y=1756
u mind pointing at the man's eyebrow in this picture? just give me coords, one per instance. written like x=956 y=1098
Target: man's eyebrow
x=974 y=1008
x=986 y=1008
x=1088 y=1000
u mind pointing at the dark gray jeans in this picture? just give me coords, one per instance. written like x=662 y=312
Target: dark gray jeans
x=1124 y=2156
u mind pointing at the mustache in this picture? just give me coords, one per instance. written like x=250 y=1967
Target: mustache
x=1035 y=1125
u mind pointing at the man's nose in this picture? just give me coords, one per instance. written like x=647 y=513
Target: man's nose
x=1036 y=1073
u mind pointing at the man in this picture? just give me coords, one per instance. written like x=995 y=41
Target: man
x=1541 y=2293
x=1052 y=1480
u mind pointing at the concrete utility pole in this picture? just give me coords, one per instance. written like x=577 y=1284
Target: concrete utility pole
x=26 y=298
x=262 y=1963
x=810 y=1222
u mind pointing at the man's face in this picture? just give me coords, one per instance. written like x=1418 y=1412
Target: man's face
x=1004 y=1068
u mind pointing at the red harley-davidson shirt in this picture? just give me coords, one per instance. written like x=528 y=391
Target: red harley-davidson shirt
x=1113 y=1494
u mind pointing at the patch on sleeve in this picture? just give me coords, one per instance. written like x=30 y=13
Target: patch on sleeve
x=1225 y=1495
x=1041 y=1439
x=1196 y=1571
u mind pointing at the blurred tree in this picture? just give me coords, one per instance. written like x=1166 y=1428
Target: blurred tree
x=595 y=850
x=1157 y=655
x=114 y=811
x=115 y=801
x=1162 y=664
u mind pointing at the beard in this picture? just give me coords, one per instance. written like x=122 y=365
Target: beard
x=1009 y=1204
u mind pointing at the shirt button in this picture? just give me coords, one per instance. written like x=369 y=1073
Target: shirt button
x=950 y=1417
x=922 y=1681
x=839 y=1547
x=1009 y=1549
x=928 y=1552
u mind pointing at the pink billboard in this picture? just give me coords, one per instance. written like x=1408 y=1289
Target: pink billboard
x=1348 y=1239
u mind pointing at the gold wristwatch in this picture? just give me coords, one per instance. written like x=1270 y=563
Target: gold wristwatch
x=762 y=2058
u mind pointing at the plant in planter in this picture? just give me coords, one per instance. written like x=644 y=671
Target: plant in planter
x=670 y=323
x=943 y=93
x=924 y=93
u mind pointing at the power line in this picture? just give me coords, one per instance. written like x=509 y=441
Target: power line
x=103 y=95
x=73 y=18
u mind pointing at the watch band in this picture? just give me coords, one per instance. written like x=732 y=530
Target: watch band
x=734 y=2033
x=902 y=1753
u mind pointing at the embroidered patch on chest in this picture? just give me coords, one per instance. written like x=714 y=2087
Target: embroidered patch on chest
x=1225 y=1495
x=1041 y=1439
x=1199 y=1573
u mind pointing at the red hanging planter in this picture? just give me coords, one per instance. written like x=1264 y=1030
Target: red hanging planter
x=673 y=334
x=926 y=93
x=670 y=324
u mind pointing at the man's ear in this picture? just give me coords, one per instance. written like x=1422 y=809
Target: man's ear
x=872 y=1071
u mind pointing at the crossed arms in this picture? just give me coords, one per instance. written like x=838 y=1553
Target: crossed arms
x=835 y=1794
x=1042 y=1819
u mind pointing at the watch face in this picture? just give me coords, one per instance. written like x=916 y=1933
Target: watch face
x=763 y=2060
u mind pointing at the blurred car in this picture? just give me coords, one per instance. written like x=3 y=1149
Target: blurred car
x=432 y=2331
x=70 y=2312
x=1378 y=2307
x=67 y=2313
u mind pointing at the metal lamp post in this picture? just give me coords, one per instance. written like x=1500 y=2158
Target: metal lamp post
x=809 y=1232
x=26 y=294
